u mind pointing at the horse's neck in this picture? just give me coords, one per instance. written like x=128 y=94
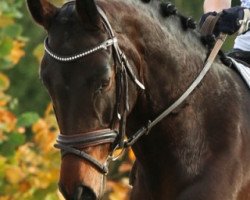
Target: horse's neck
x=170 y=58
x=164 y=54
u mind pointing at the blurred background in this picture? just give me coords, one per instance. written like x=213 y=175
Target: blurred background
x=29 y=165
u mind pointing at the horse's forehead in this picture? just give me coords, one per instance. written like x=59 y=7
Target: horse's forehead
x=67 y=33
x=67 y=13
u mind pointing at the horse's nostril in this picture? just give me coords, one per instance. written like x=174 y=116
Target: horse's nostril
x=84 y=193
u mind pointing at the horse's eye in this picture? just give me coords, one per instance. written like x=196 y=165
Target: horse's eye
x=105 y=83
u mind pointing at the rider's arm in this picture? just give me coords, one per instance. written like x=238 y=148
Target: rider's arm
x=216 y=5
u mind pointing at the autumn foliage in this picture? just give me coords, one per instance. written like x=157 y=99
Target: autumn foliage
x=29 y=164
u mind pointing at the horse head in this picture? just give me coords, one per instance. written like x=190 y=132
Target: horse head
x=83 y=71
x=195 y=132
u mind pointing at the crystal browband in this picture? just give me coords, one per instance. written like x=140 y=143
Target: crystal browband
x=103 y=45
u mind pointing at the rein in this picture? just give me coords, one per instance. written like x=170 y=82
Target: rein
x=72 y=143
x=180 y=100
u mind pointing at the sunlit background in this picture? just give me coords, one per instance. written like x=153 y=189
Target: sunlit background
x=29 y=165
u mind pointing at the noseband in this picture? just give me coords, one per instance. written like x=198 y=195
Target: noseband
x=70 y=144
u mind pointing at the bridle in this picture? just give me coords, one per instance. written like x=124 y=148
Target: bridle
x=72 y=143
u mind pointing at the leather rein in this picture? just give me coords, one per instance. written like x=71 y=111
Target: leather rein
x=70 y=144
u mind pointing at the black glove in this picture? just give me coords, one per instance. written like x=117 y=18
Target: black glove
x=228 y=21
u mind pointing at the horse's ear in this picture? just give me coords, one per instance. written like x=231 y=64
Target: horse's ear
x=42 y=11
x=88 y=12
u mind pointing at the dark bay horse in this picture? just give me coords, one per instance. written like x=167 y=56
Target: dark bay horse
x=200 y=151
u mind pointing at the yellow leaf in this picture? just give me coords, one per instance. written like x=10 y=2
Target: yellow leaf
x=3 y=137
x=5 y=21
x=45 y=140
x=7 y=120
x=50 y=119
x=120 y=190
x=118 y=153
x=49 y=110
x=28 y=158
x=39 y=126
x=24 y=186
x=2 y=160
x=4 y=82
x=4 y=99
x=14 y=174
x=52 y=123
x=5 y=198
x=39 y=52
x=131 y=155
x=17 y=52
x=44 y=178
x=21 y=130
x=125 y=167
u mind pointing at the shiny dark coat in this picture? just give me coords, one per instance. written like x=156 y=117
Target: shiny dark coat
x=201 y=151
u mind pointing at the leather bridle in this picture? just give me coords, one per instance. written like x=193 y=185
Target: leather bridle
x=72 y=143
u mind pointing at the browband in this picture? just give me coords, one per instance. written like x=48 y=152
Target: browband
x=104 y=45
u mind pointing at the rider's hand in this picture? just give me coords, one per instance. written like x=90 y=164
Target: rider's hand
x=228 y=22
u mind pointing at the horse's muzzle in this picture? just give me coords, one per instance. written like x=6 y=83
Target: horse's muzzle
x=81 y=193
